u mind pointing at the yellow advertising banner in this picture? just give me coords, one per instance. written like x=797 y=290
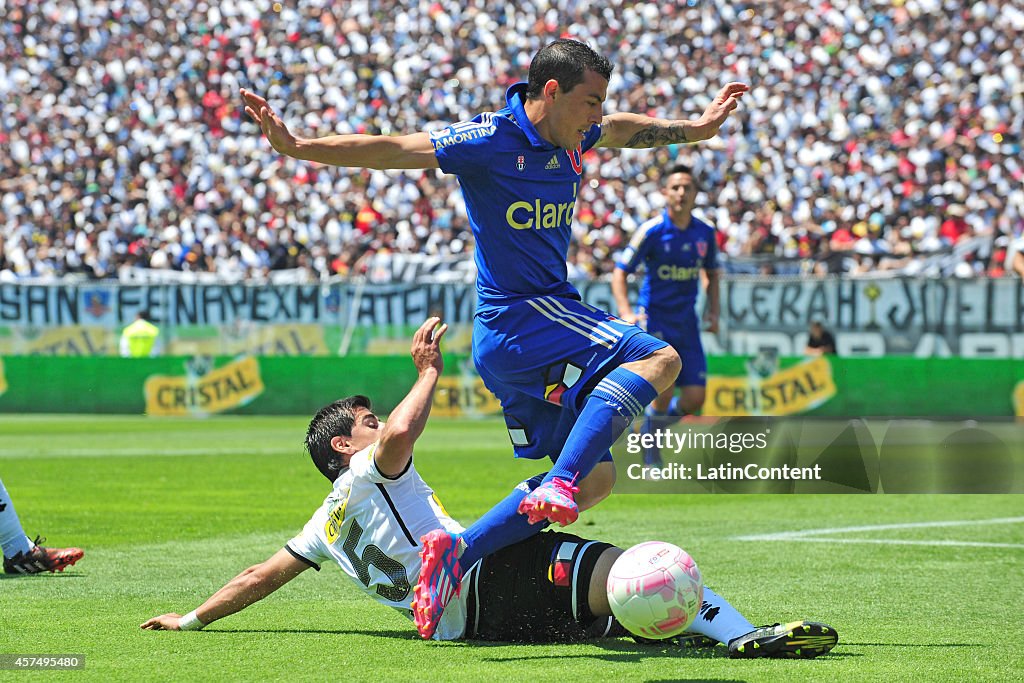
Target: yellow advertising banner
x=794 y=390
x=3 y=378
x=67 y=340
x=464 y=395
x=458 y=339
x=1018 y=399
x=262 y=340
x=216 y=391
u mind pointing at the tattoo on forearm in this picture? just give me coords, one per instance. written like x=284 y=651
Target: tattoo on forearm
x=658 y=136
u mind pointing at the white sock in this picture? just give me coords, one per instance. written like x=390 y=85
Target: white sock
x=12 y=536
x=719 y=620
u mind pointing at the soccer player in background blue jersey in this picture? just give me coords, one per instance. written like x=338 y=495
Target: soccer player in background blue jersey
x=570 y=378
x=674 y=248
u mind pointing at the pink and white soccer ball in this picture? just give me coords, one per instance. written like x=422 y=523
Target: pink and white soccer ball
x=655 y=590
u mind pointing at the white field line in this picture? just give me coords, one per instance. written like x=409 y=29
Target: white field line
x=823 y=535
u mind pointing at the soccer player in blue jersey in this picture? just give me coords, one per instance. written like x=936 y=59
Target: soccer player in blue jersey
x=674 y=248
x=570 y=378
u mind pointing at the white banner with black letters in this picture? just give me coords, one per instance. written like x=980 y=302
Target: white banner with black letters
x=872 y=317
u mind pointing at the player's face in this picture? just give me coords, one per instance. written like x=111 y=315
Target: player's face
x=365 y=430
x=575 y=111
x=680 y=192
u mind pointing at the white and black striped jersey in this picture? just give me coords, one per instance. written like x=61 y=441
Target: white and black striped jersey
x=371 y=526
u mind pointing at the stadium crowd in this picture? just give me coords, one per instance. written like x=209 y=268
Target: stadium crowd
x=878 y=136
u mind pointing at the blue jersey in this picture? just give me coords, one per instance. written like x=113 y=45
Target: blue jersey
x=673 y=259
x=520 y=193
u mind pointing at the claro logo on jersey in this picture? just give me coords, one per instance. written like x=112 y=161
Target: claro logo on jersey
x=678 y=273
x=538 y=214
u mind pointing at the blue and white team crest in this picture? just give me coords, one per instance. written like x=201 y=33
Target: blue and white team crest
x=702 y=248
x=521 y=162
x=576 y=159
x=97 y=303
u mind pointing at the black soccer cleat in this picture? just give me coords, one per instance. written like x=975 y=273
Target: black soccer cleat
x=41 y=559
x=795 y=640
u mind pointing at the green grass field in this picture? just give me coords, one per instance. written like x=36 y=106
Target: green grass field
x=169 y=510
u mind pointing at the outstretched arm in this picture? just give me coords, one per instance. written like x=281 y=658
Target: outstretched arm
x=255 y=583
x=359 y=151
x=640 y=132
x=406 y=422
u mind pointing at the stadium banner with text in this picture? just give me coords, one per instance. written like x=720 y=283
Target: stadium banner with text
x=876 y=317
x=870 y=317
x=763 y=385
x=822 y=455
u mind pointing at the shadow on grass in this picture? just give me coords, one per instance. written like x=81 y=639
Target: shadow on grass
x=629 y=652
x=41 y=575
x=943 y=645
x=615 y=650
x=636 y=656
x=398 y=635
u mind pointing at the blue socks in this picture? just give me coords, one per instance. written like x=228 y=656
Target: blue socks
x=652 y=421
x=673 y=407
x=501 y=526
x=610 y=409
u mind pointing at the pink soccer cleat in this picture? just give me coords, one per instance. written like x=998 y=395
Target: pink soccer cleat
x=552 y=501
x=42 y=559
x=440 y=579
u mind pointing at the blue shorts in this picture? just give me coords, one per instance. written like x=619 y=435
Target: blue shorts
x=683 y=335
x=541 y=358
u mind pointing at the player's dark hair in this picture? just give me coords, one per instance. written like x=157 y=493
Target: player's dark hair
x=334 y=419
x=679 y=168
x=566 y=61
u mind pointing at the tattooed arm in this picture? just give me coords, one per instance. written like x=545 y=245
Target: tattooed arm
x=639 y=132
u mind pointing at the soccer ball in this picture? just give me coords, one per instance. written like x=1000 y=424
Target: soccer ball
x=655 y=590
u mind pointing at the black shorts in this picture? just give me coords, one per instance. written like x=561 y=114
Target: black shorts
x=536 y=591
